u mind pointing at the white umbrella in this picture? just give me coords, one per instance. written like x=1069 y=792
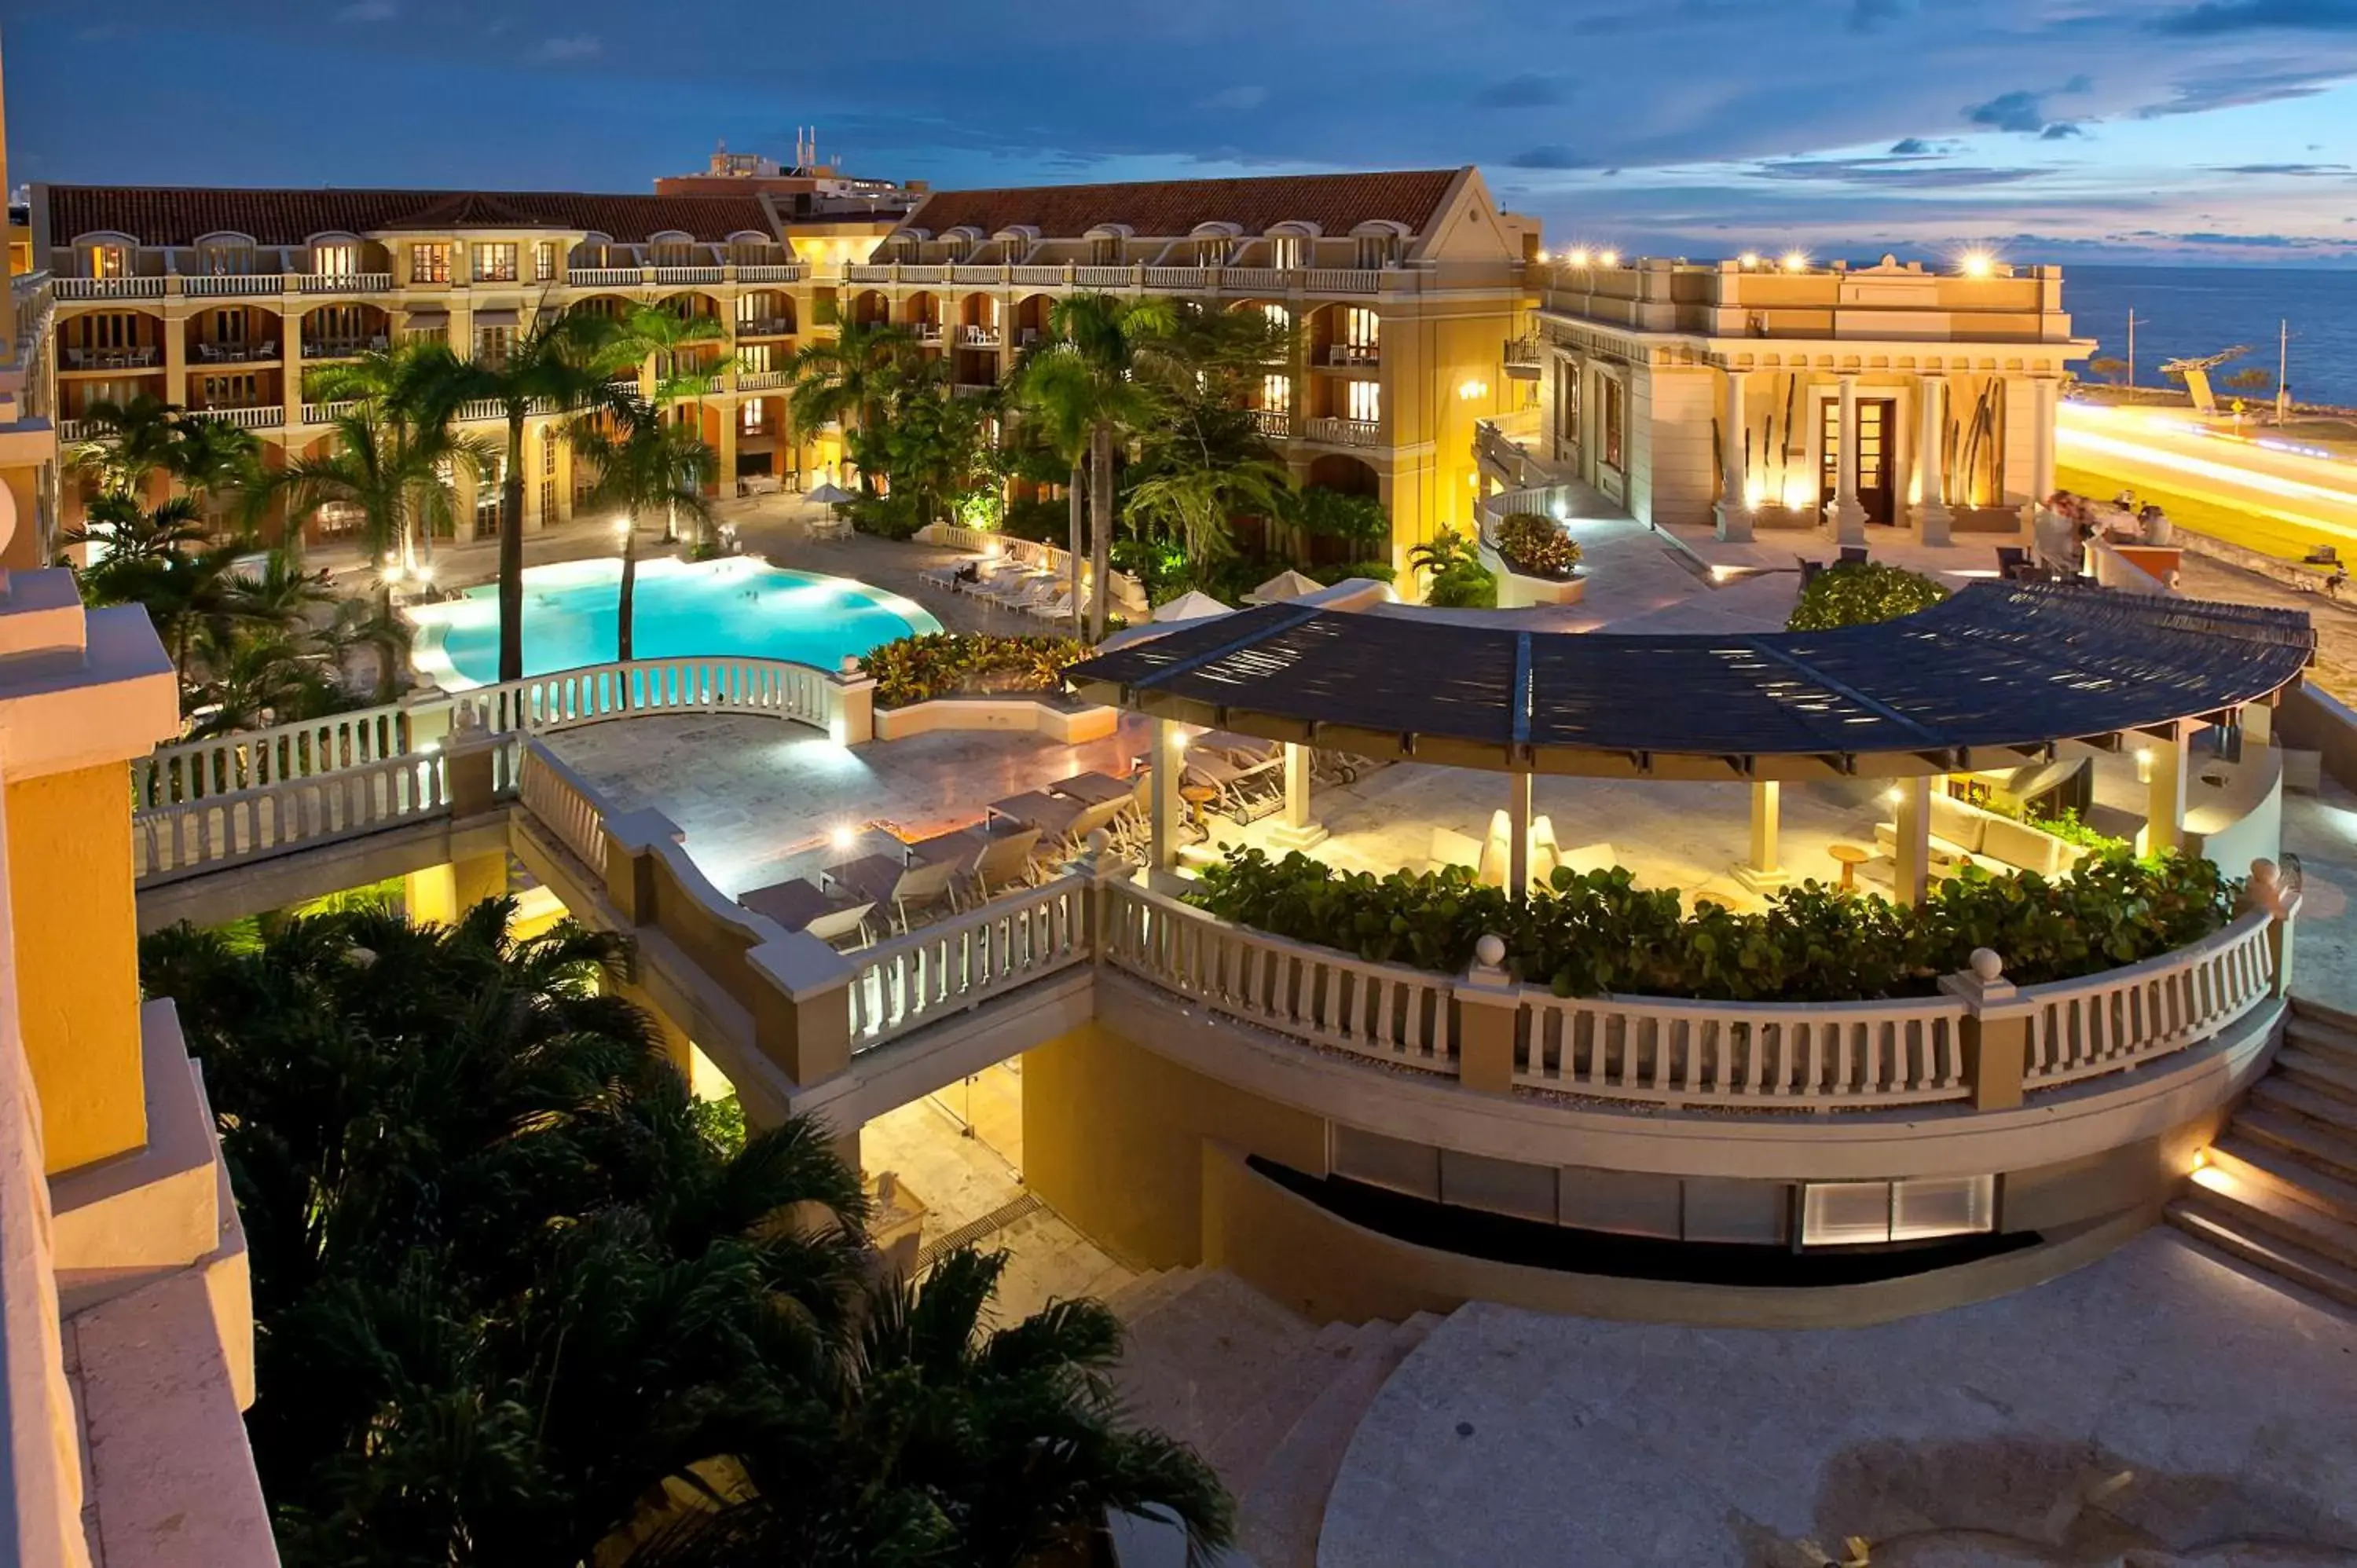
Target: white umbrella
x=1192 y=605
x=1287 y=584
x=829 y=495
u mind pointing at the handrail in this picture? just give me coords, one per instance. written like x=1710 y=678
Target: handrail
x=2122 y=1017
x=917 y=979
x=252 y=759
x=213 y=832
x=562 y=799
x=1127 y=590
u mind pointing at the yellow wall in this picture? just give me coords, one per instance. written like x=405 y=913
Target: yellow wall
x=76 y=959
x=441 y=894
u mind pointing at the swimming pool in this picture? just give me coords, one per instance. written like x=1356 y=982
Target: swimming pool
x=735 y=605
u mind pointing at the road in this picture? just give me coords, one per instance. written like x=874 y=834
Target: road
x=2281 y=497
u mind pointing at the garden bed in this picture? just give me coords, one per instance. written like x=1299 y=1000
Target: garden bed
x=1057 y=717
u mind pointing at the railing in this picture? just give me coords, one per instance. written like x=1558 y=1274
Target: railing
x=209 y=833
x=1273 y=421
x=774 y=271
x=2081 y=1027
x=1349 y=354
x=329 y=412
x=1342 y=280
x=260 y=416
x=205 y=285
x=144 y=357
x=1036 y=277
x=909 y=981
x=225 y=764
x=1730 y=1053
x=604 y=277
x=1520 y=351
x=974 y=274
x=561 y=799
x=768 y=326
x=866 y=272
x=1344 y=432
x=571 y=697
x=1179 y=277
x=340 y=347
x=978 y=337
x=689 y=275
x=925 y=331
x=761 y=381
x=913 y=274
x=236 y=354
x=1318 y=994
x=1105 y=277
x=1259 y=280
x=346 y=282
x=110 y=288
x=479 y=410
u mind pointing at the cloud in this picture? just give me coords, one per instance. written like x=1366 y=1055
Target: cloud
x=1865 y=16
x=368 y=11
x=1528 y=91
x=2307 y=171
x=564 y=50
x=1899 y=173
x=1913 y=147
x=2217 y=17
x=2234 y=90
x=2023 y=113
x=1234 y=100
x=2062 y=130
x=1553 y=156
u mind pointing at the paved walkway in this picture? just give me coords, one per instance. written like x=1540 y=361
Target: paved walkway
x=2155 y=1408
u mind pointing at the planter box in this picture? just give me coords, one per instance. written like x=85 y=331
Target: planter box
x=1517 y=591
x=1025 y=716
x=1985 y=521
x=1785 y=519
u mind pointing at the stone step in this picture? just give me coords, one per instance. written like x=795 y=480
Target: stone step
x=2261 y=1205
x=2327 y=1039
x=1241 y=1448
x=2301 y=1139
x=1136 y=1300
x=2276 y=1092
x=2247 y=1159
x=2316 y=1011
x=1207 y=1354
x=1280 y=1516
x=2220 y=1226
x=2323 y=1072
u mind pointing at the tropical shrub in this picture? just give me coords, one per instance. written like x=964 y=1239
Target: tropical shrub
x=1458 y=580
x=1380 y=571
x=960 y=664
x=1537 y=546
x=1594 y=932
x=895 y=516
x=1359 y=521
x=1046 y=522
x=1862 y=593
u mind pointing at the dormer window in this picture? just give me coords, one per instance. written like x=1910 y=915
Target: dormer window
x=340 y=259
x=225 y=259
x=907 y=248
x=109 y=261
x=1286 y=251
x=1377 y=251
x=1104 y=251
x=1212 y=251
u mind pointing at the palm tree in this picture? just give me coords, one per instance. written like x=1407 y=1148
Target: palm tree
x=851 y=381
x=643 y=461
x=559 y=365
x=1094 y=375
x=136 y=440
x=668 y=333
x=398 y=447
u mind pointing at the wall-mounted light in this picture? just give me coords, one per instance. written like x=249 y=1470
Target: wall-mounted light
x=2143 y=765
x=1472 y=388
x=1542 y=256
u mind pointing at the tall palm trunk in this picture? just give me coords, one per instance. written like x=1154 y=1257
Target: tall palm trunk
x=1101 y=516
x=630 y=590
x=511 y=551
x=1072 y=500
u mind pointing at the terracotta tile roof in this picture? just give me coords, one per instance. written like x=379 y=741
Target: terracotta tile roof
x=160 y=216
x=1166 y=209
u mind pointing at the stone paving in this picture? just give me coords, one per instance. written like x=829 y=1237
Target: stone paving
x=2158 y=1407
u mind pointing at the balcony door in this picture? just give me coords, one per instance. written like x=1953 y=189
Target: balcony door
x=1877 y=427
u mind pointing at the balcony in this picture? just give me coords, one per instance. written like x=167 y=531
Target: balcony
x=979 y=336
x=1354 y=356
x=767 y=326
x=781 y=272
x=328 y=413
x=1344 y=432
x=604 y=277
x=255 y=417
x=927 y=332
x=341 y=348
x=235 y=354
x=139 y=359
x=110 y=288
x=346 y=282
x=761 y=380
x=677 y=276
x=243 y=285
x=1274 y=422
x=973 y=389
x=1521 y=357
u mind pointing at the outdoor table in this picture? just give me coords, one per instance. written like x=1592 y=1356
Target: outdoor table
x=1851 y=856
x=792 y=904
x=1093 y=789
x=1037 y=809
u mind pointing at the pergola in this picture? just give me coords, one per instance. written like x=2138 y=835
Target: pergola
x=1995 y=675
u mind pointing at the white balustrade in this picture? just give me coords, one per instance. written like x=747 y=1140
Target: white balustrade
x=572 y=697
x=2124 y=1017
x=864 y=272
x=110 y=288
x=761 y=381
x=1344 y=432
x=1105 y=277
x=1180 y=277
x=1273 y=421
x=477 y=410
x=1342 y=280
x=1668 y=1051
x=689 y=275
x=263 y=416
x=214 y=832
x=565 y=803
x=604 y=277
x=1319 y=995
x=909 y=981
x=1258 y=280
x=1036 y=276
x=786 y=271
x=233 y=286
x=974 y=274
x=329 y=412
x=251 y=759
x=346 y=282
x=932 y=273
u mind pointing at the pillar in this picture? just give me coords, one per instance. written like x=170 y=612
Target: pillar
x=290 y=360
x=1734 y=484
x=462 y=503
x=440 y=894
x=563 y=483
x=1518 y=836
x=730 y=414
x=2043 y=393
x=1486 y=1020
x=1168 y=759
x=2165 y=774
x=1763 y=870
x=1932 y=516
x=1913 y=877
x=1297 y=831
x=1849 y=518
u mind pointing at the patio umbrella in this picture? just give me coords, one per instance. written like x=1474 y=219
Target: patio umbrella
x=829 y=495
x=1191 y=605
x=1287 y=584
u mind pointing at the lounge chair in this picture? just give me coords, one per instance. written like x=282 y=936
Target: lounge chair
x=1058 y=609
x=1243 y=793
x=915 y=888
x=1005 y=861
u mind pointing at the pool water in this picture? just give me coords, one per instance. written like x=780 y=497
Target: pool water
x=733 y=607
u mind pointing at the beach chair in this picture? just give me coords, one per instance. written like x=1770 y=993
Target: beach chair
x=1005 y=861
x=1241 y=793
x=915 y=889
x=1058 y=608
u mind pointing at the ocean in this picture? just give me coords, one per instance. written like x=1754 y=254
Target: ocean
x=2200 y=311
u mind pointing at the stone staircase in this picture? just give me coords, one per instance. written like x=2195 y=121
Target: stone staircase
x=2279 y=1187
x=1269 y=1400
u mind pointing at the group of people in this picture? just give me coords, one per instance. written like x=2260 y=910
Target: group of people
x=2088 y=522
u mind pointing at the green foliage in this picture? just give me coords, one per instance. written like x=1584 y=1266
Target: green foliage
x=1598 y=932
x=722 y=1122
x=2108 y=368
x=1457 y=578
x=957 y=664
x=893 y=516
x=1537 y=546
x=2249 y=379
x=983 y=508
x=1044 y=521
x=1359 y=521
x=516 y=1294
x=1862 y=593
x=1379 y=571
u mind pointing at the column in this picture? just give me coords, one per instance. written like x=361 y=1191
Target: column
x=730 y=414
x=1734 y=484
x=1168 y=759
x=2042 y=397
x=1931 y=515
x=290 y=360
x=462 y=503
x=1764 y=870
x=1913 y=878
x=1849 y=518
x=2163 y=764
x=1297 y=831
x=563 y=483
x=1518 y=836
